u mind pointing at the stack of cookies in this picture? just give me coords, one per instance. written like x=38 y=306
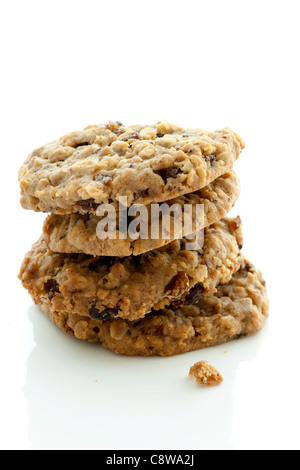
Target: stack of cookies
x=140 y=295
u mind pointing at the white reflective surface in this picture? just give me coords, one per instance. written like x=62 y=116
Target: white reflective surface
x=210 y=64
x=61 y=393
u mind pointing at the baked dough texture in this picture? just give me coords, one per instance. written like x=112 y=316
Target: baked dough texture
x=76 y=233
x=205 y=374
x=141 y=297
x=145 y=164
x=235 y=310
x=105 y=288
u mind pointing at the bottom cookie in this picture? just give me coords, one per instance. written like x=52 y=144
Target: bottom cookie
x=237 y=309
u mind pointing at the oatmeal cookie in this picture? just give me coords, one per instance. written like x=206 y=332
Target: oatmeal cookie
x=103 y=288
x=236 y=310
x=75 y=233
x=103 y=163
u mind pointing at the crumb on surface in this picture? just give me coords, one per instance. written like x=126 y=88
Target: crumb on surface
x=205 y=374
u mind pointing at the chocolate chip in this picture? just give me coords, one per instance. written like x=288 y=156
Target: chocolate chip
x=88 y=205
x=178 y=285
x=96 y=329
x=168 y=173
x=159 y=136
x=51 y=288
x=194 y=296
x=107 y=314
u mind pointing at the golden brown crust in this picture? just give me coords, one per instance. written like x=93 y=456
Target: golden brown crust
x=76 y=233
x=237 y=309
x=103 y=163
x=130 y=288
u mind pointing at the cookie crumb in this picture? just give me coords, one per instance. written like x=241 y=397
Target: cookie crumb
x=205 y=374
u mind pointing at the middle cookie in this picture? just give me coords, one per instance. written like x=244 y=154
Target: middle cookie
x=77 y=233
x=106 y=288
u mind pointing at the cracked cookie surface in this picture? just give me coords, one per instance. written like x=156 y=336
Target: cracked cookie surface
x=145 y=164
x=104 y=288
x=76 y=233
x=235 y=310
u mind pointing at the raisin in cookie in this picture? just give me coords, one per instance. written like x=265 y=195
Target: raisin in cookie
x=76 y=233
x=104 y=288
x=104 y=163
x=236 y=310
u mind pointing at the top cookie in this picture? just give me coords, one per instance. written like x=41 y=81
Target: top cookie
x=102 y=164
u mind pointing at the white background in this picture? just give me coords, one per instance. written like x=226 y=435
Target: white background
x=67 y=64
